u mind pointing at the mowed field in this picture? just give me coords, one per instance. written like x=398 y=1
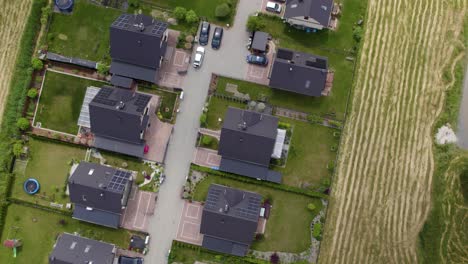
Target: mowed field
x=12 y=21
x=381 y=193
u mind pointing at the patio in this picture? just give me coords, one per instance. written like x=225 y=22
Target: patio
x=206 y=157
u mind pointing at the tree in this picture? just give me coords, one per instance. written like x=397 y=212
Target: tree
x=254 y=23
x=37 y=63
x=206 y=140
x=180 y=13
x=134 y=3
x=18 y=148
x=102 y=68
x=222 y=10
x=23 y=124
x=274 y=258
x=191 y=17
x=32 y=93
x=311 y=207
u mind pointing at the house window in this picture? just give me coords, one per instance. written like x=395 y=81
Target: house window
x=83 y=197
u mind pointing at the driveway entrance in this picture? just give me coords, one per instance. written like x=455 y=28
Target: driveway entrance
x=189 y=225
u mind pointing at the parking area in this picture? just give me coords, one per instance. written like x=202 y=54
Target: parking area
x=264 y=3
x=140 y=208
x=259 y=74
x=189 y=225
x=206 y=157
x=175 y=62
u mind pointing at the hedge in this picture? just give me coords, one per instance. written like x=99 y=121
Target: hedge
x=15 y=101
x=40 y=206
x=282 y=187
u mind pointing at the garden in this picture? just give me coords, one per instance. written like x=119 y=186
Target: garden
x=168 y=101
x=214 y=111
x=60 y=102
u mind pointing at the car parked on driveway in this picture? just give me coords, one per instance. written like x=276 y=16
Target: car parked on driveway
x=129 y=260
x=217 y=37
x=199 y=54
x=204 y=33
x=273 y=7
x=257 y=59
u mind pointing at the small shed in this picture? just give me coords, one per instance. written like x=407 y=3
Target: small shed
x=260 y=41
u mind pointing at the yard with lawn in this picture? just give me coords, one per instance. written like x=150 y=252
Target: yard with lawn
x=38 y=230
x=83 y=34
x=287 y=229
x=208 y=142
x=168 y=100
x=60 y=102
x=217 y=108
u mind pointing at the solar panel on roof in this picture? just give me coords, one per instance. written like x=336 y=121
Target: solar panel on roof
x=119 y=180
x=316 y=62
x=142 y=102
x=284 y=54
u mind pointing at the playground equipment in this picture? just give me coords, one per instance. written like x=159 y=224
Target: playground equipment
x=31 y=186
x=12 y=243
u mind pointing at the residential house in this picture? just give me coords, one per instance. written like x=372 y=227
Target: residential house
x=72 y=249
x=308 y=14
x=137 y=46
x=230 y=218
x=119 y=119
x=247 y=144
x=299 y=72
x=99 y=193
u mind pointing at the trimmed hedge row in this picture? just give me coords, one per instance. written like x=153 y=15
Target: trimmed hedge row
x=282 y=187
x=39 y=206
x=15 y=102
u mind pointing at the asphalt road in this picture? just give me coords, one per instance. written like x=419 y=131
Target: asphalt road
x=229 y=61
x=462 y=133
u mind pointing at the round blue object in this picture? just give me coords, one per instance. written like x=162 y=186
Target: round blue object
x=65 y=5
x=31 y=186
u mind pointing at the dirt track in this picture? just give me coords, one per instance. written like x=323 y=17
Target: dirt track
x=381 y=194
x=13 y=18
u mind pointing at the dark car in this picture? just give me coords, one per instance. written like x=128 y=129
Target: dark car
x=217 y=37
x=204 y=33
x=257 y=59
x=129 y=260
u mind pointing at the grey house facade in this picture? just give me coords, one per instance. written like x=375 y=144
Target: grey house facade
x=230 y=219
x=99 y=193
x=308 y=14
x=119 y=119
x=299 y=72
x=71 y=249
x=246 y=144
x=137 y=46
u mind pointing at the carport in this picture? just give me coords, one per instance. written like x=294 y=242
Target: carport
x=260 y=41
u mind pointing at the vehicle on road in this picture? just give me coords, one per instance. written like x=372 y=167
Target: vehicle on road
x=257 y=59
x=273 y=7
x=204 y=33
x=217 y=37
x=129 y=260
x=199 y=55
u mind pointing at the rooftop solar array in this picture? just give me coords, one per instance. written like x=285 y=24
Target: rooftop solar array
x=152 y=27
x=251 y=212
x=316 y=62
x=84 y=120
x=102 y=97
x=141 y=102
x=119 y=180
x=212 y=199
x=158 y=29
x=285 y=54
x=122 y=21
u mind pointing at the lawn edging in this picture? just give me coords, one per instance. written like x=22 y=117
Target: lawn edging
x=15 y=102
x=282 y=187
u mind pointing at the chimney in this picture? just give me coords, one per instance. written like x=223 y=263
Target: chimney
x=120 y=105
x=226 y=208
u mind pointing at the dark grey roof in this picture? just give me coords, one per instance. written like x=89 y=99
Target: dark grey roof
x=99 y=187
x=137 y=242
x=76 y=61
x=230 y=214
x=114 y=145
x=138 y=40
x=71 y=249
x=121 y=81
x=225 y=246
x=248 y=136
x=117 y=114
x=133 y=71
x=260 y=40
x=319 y=10
x=96 y=216
x=299 y=72
x=250 y=170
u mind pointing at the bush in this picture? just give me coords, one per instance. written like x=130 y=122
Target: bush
x=203 y=120
x=254 y=23
x=18 y=148
x=37 y=63
x=133 y=3
x=317 y=233
x=357 y=34
x=274 y=258
x=311 y=207
x=32 y=93
x=46 y=12
x=102 y=68
x=191 y=17
x=331 y=166
x=23 y=124
x=222 y=10
x=206 y=140
x=180 y=13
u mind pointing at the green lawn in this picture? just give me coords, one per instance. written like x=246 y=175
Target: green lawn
x=288 y=225
x=38 y=230
x=217 y=109
x=84 y=33
x=61 y=100
x=168 y=100
x=209 y=142
x=49 y=163
x=309 y=154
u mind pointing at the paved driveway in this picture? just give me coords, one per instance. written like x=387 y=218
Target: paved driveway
x=206 y=157
x=139 y=208
x=189 y=225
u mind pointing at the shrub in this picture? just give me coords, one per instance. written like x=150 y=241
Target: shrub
x=180 y=13
x=18 y=148
x=102 y=68
x=23 y=123
x=331 y=166
x=222 y=10
x=274 y=258
x=254 y=23
x=32 y=93
x=191 y=17
x=206 y=140
x=133 y=3
x=317 y=233
x=203 y=120
x=46 y=12
x=357 y=34
x=311 y=207
x=36 y=63
x=259 y=237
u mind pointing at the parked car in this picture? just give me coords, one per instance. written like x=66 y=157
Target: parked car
x=204 y=33
x=217 y=37
x=273 y=7
x=129 y=260
x=199 y=54
x=257 y=59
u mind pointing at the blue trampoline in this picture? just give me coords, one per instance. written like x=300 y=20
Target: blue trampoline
x=65 y=5
x=31 y=186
